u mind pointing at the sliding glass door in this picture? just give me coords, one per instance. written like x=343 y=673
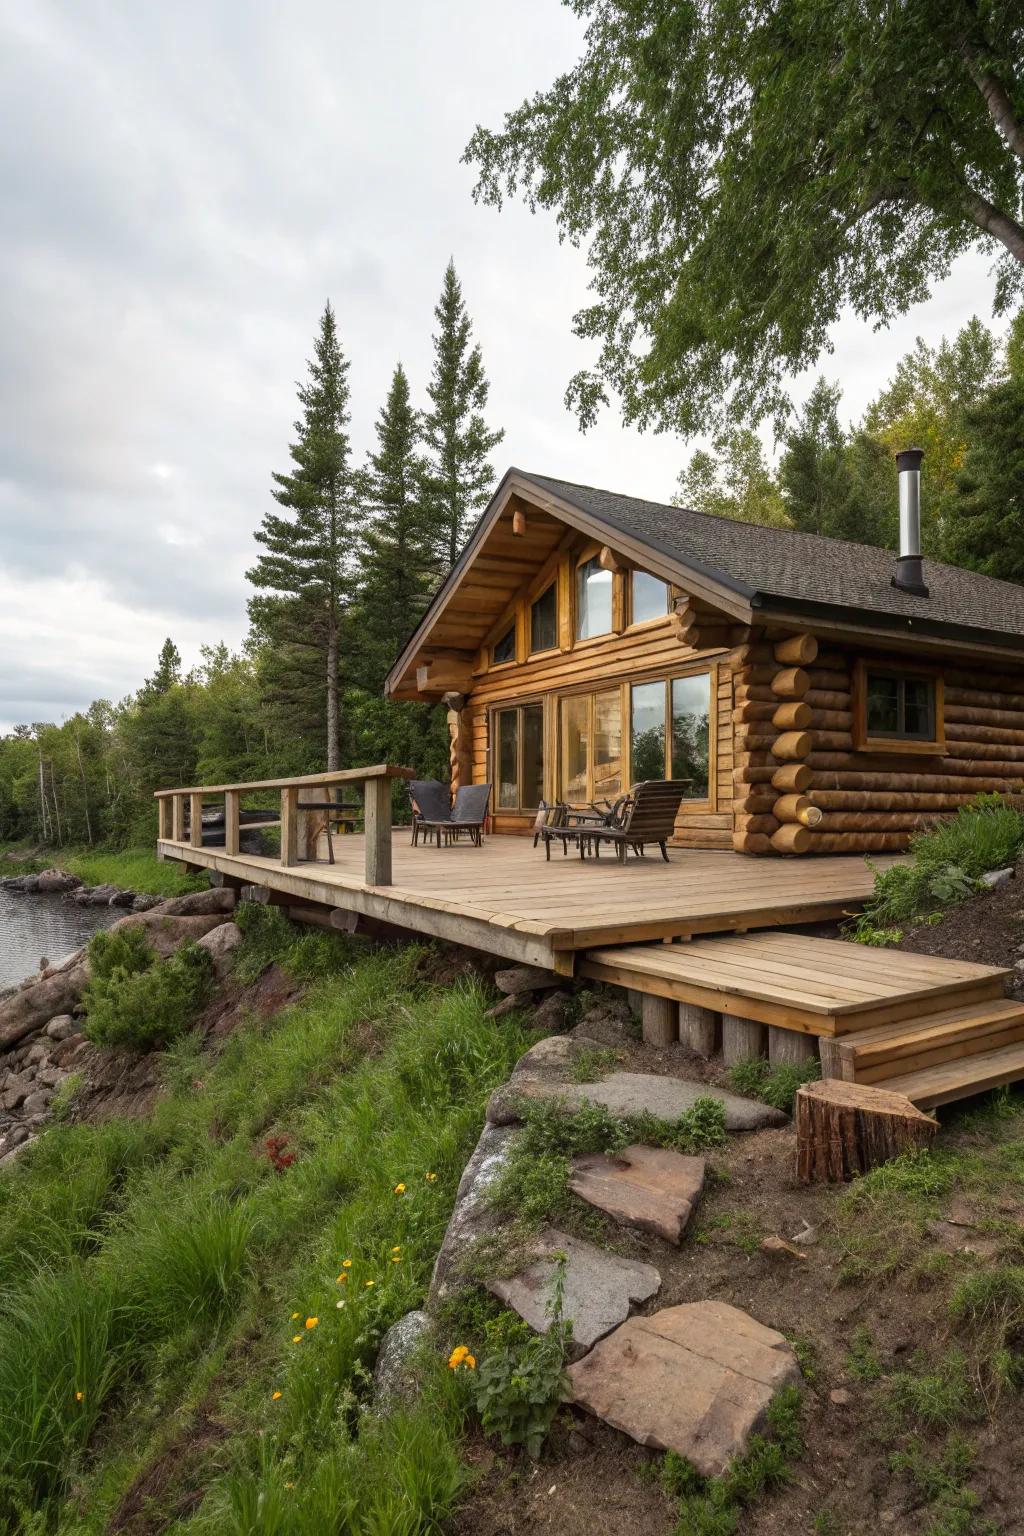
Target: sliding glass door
x=519 y=741
x=670 y=731
x=591 y=733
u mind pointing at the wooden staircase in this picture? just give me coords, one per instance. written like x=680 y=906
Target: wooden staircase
x=921 y=1025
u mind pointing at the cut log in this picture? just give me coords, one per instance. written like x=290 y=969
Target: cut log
x=797 y=808
x=699 y=1028
x=791 y=838
x=790 y=683
x=790 y=1047
x=843 y=1129
x=793 y=745
x=660 y=1018
x=751 y=842
x=798 y=649
x=792 y=778
x=793 y=716
x=742 y=1039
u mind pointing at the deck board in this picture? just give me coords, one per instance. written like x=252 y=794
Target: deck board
x=531 y=907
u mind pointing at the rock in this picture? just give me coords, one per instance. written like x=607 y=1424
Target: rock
x=61 y=1027
x=778 y=1248
x=507 y=1005
x=628 y=1093
x=609 y=1022
x=220 y=944
x=15 y=1091
x=525 y=978
x=550 y=1013
x=65 y=1051
x=472 y=1215
x=145 y=903
x=96 y=895
x=122 y=899
x=393 y=1380
x=37 y=1052
x=200 y=903
x=695 y=1379
x=55 y=881
x=646 y=1187
x=49 y=1077
x=840 y=1397
x=996 y=877
x=36 y=1102
x=599 y=1288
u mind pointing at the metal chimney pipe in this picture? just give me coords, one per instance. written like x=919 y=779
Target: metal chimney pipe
x=909 y=575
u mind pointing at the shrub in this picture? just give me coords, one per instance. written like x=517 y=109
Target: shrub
x=948 y=862
x=142 y=1009
x=772 y=1085
x=522 y=1379
x=126 y=951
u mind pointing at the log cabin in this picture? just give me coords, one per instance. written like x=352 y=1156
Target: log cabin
x=818 y=696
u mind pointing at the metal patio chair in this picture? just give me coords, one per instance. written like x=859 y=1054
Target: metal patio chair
x=431 y=808
x=647 y=816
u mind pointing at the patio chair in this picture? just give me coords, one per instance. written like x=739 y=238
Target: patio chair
x=469 y=812
x=431 y=808
x=647 y=816
x=567 y=824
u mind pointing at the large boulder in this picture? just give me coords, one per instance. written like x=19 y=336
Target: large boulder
x=695 y=1379
x=625 y=1094
x=55 y=881
x=200 y=903
x=220 y=944
x=472 y=1216
x=394 y=1379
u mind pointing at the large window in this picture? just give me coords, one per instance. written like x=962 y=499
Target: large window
x=648 y=598
x=520 y=752
x=683 y=751
x=593 y=600
x=544 y=621
x=592 y=745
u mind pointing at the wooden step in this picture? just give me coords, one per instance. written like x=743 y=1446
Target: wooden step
x=960 y=1079
x=876 y=1055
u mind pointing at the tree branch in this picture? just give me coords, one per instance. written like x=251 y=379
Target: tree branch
x=997 y=99
x=994 y=222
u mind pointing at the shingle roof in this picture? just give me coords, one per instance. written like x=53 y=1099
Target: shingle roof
x=778 y=563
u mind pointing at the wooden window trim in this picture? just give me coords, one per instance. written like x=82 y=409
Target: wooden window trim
x=895 y=746
x=500 y=666
x=508 y=707
x=548 y=650
x=659 y=618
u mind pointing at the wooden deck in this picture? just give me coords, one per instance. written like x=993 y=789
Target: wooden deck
x=507 y=899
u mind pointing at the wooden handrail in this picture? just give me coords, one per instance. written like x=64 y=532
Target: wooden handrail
x=340 y=776
x=376 y=812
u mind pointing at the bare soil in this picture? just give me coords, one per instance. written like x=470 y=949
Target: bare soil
x=989 y=928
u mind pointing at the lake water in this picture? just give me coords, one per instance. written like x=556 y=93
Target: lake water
x=33 y=926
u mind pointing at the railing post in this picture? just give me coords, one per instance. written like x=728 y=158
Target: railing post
x=377 y=821
x=289 y=826
x=231 y=819
x=163 y=810
x=195 y=821
x=177 y=818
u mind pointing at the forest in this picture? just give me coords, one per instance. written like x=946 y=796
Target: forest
x=349 y=554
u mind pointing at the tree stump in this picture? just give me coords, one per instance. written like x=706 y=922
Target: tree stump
x=742 y=1039
x=843 y=1129
x=698 y=1028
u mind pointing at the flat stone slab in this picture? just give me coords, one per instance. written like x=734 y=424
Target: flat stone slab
x=628 y=1093
x=646 y=1187
x=600 y=1288
x=695 y=1379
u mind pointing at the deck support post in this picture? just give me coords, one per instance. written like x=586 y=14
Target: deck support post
x=231 y=821
x=177 y=818
x=635 y=999
x=660 y=1019
x=289 y=827
x=790 y=1047
x=195 y=821
x=742 y=1039
x=698 y=1028
x=377 y=822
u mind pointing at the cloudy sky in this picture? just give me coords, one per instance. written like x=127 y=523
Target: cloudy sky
x=181 y=187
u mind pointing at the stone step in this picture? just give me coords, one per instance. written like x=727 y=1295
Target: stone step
x=646 y=1187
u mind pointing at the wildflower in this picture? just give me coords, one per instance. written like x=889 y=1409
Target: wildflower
x=430 y=1177
x=461 y=1357
x=399 y=1189
x=341 y=1280
x=289 y=1485
x=397 y=1248
x=368 y=1283
x=297 y=1338
x=395 y=1259
x=294 y=1316
x=311 y=1322
x=79 y=1396
x=274 y=1396
x=339 y=1304
x=346 y=1263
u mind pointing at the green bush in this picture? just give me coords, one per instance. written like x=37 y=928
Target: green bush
x=947 y=863
x=142 y=1009
x=776 y=1086
x=123 y=951
x=522 y=1379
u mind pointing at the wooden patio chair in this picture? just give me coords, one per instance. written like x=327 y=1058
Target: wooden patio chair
x=431 y=808
x=647 y=816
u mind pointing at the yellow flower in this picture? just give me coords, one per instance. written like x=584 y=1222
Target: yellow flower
x=368 y=1283
x=461 y=1356
x=397 y=1248
x=399 y=1189
x=289 y=1485
x=274 y=1396
x=297 y=1338
x=470 y=1362
x=346 y=1263
x=79 y=1396
x=294 y=1316
x=341 y=1280
x=395 y=1259
x=430 y=1177
x=311 y=1322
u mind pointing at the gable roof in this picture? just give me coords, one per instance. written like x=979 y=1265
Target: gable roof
x=754 y=572
x=779 y=563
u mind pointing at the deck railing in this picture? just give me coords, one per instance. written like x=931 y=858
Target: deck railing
x=376 y=783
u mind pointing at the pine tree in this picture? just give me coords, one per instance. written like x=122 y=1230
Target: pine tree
x=459 y=477
x=813 y=472
x=397 y=558
x=308 y=559
x=168 y=670
x=985 y=529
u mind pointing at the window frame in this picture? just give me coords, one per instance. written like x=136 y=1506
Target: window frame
x=516 y=707
x=545 y=650
x=585 y=558
x=658 y=618
x=510 y=661
x=709 y=801
x=935 y=746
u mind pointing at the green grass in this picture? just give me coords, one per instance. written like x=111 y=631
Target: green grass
x=149 y=1270
x=714 y=1506
x=776 y=1086
x=136 y=869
